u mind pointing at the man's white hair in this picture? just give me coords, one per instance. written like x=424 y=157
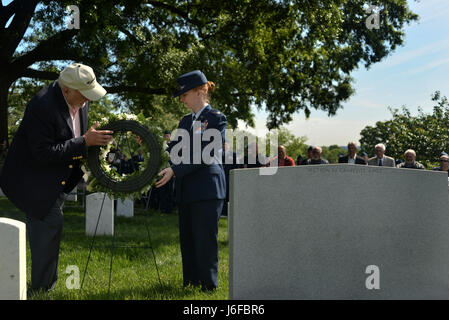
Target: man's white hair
x=380 y=145
x=410 y=151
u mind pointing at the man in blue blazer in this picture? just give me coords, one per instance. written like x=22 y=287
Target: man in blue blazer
x=43 y=163
x=200 y=183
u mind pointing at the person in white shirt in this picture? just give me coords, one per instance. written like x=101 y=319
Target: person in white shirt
x=352 y=157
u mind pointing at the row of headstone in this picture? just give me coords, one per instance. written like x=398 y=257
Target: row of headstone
x=100 y=203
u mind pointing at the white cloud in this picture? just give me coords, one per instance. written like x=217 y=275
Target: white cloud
x=407 y=55
x=430 y=66
x=319 y=131
x=366 y=102
x=328 y=131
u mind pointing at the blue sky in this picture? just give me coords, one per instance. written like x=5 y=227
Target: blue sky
x=407 y=77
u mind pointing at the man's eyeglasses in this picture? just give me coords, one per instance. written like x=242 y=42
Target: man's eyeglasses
x=443 y=160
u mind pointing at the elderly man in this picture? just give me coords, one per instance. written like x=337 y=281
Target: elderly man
x=381 y=159
x=316 y=157
x=444 y=163
x=282 y=159
x=309 y=156
x=43 y=163
x=352 y=157
x=410 y=161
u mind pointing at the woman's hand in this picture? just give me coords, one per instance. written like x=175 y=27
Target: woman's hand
x=166 y=174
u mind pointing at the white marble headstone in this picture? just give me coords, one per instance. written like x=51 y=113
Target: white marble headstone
x=94 y=202
x=12 y=260
x=73 y=195
x=125 y=208
x=339 y=232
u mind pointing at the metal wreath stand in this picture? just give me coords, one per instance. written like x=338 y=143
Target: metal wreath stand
x=127 y=186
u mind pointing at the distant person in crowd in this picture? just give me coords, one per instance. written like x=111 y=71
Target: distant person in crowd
x=230 y=161
x=114 y=157
x=381 y=159
x=316 y=157
x=43 y=163
x=254 y=159
x=125 y=166
x=299 y=160
x=282 y=159
x=352 y=157
x=309 y=155
x=444 y=163
x=137 y=159
x=365 y=157
x=110 y=156
x=410 y=161
x=117 y=160
x=139 y=156
x=167 y=136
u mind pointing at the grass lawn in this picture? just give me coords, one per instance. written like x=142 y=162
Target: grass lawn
x=134 y=275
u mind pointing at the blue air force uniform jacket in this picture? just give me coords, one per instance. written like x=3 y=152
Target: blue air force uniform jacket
x=200 y=181
x=44 y=157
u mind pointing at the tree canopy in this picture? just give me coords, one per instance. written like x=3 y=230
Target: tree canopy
x=284 y=56
x=426 y=133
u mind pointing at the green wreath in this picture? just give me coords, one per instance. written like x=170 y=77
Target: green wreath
x=131 y=137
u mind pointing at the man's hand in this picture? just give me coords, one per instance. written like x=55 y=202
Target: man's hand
x=167 y=174
x=97 y=138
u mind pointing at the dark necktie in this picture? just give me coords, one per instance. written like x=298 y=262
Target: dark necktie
x=381 y=162
x=193 y=120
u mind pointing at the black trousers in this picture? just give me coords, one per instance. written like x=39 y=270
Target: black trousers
x=166 y=197
x=45 y=238
x=198 y=232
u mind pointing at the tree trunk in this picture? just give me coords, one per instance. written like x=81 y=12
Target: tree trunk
x=4 y=143
x=4 y=86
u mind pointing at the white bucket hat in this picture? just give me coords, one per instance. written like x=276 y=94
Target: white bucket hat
x=81 y=77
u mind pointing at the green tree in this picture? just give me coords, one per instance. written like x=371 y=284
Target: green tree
x=426 y=133
x=331 y=153
x=294 y=145
x=285 y=56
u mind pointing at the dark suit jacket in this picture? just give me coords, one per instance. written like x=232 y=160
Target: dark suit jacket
x=44 y=157
x=358 y=160
x=200 y=181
